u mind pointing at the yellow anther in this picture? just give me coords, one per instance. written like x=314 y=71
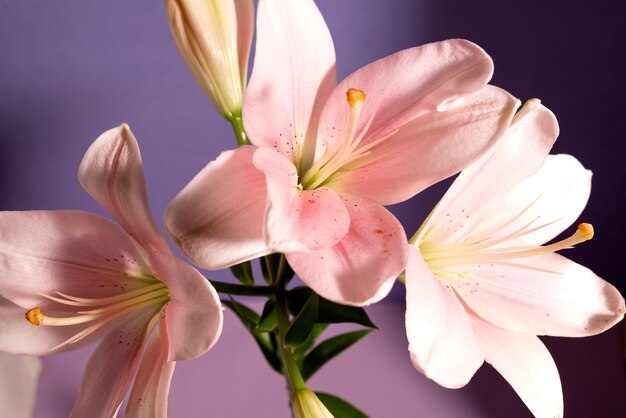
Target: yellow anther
x=585 y=231
x=34 y=316
x=355 y=96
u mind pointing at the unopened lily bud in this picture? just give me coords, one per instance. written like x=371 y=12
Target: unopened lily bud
x=214 y=38
x=306 y=405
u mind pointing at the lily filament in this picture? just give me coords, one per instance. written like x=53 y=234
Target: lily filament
x=345 y=150
x=488 y=251
x=100 y=311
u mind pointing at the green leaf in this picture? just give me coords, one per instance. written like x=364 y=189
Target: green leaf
x=328 y=349
x=302 y=349
x=265 y=340
x=338 y=407
x=243 y=273
x=269 y=317
x=303 y=324
x=271 y=353
x=329 y=312
x=246 y=315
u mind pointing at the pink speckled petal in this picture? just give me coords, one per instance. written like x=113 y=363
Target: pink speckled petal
x=149 y=396
x=293 y=74
x=112 y=173
x=217 y=219
x=112 y=367
x=298 y=220
x=193 y=316
x=363 y=266
x=428 y=149
x=408 y=84
x=541 y=295
x=442 y=342
x=77 y=253
x=526 y=142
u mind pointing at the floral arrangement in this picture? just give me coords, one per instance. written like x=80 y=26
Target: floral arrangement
x=304 y=194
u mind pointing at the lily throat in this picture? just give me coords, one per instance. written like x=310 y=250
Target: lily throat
x=348 y=151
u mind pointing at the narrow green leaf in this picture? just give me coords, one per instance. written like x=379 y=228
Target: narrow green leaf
x=246 y=315
x=328 y=349
x=329 y=312
x=300 y=351
x=243 y=273
x=269 y=317
x=265 y=340
x=303 y=324
x=338 y=407
x=269 y=348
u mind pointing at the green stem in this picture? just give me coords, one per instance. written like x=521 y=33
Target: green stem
x=290 y=367
x=240 y=134
x=243 y=290
x=296 y=382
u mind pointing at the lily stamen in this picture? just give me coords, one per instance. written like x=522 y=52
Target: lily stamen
x=75 y=301
x=113 y=307
x=469 y=255
x=346 y=149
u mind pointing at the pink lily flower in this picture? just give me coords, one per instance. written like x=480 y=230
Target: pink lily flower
x=80 y=277
x=480 y=284
x=327 y=157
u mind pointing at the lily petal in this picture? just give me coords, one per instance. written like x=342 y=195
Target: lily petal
x=72 y=252
x=526 y=364
x=193 y=316
x=148 y=398
x=298 y=220
x=217 y=219
x=409 y=84
x=428 y=149
x=552 y=199
x=112 y=173
x=363 y=266
x=442 y=343
x=112 y=367
x=527 y=142
x=293 y=74
x=245 y=30
x=555 y=297
x=19 y=376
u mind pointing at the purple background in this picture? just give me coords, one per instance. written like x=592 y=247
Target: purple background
x=69 y=70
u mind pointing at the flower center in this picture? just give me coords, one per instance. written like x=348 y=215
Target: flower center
x=347 y=149
x=100 y=311
x=490 y=250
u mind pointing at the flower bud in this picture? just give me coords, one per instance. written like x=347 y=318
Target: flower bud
x=306 y=405
x=214 y=38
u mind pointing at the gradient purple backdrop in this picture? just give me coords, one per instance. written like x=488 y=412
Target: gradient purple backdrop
x=69 y=70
